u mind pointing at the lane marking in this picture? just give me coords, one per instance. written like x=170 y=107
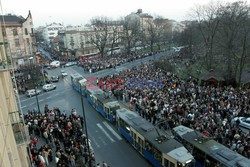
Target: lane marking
x=23 y=106
x=112 y=130
x=104 y=143
x=95 y=142
x=105 y=132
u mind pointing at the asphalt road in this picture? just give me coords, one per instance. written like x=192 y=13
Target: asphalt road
x=107 y=143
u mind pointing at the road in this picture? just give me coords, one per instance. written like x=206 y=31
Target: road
x=108 y=145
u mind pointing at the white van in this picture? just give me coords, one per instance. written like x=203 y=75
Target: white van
x=55 y=64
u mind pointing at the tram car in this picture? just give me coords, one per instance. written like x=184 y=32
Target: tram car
x=206 y=151
x=79 y=83
x=158 y=147
x=105 y=104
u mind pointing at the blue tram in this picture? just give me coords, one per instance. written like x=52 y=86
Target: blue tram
x=208 y=152
x=79 y=83
x=159 y=148
x=103 y=103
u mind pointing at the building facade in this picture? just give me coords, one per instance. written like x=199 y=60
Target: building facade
x=14 y=133
x=18 y=33
x=144 y=19
x=79 y=42
x=51 y=31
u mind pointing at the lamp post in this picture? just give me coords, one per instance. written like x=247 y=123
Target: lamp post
x=85 y=126
x=32 y=77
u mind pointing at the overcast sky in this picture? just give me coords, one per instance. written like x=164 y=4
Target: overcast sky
x=77 y=12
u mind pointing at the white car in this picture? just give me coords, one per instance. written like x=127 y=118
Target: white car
x=64 y=74
x=244 y=122
x=32 y=92
x=69 y=64
x=49 y=87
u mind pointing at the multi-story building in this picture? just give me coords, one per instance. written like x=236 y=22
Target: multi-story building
x=19 y=35
x=51 y=31
x=143 y=19
x=79 y=41
x=14 y=138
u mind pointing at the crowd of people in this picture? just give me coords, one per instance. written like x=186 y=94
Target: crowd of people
x=58 y=139
x=100 y=63
x=208 y=109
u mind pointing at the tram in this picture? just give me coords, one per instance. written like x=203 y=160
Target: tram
x=103 y=103
x=79 y=83
x=206 y=151
x=158 y=147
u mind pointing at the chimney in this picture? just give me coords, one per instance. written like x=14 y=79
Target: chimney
x=139 y=11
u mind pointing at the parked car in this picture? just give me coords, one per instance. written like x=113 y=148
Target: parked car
x=64 y=74
x=32 y=92
x=49 y=87
x=55 y=64
x=243 y=122
x=69 y=64
x=54 y=79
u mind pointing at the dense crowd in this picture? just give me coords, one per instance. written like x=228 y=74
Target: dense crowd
x=58 y=139
x=208 y=109
x=101 y=63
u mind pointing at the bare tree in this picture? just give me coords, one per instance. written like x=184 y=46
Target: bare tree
x=99 y=37
x=131 y=33
x=115 y=36
x=208 y=22
x=233 y=39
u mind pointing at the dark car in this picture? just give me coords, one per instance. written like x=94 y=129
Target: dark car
x=54 y=79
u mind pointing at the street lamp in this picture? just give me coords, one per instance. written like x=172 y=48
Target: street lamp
x=85 y=126
x=32 y=77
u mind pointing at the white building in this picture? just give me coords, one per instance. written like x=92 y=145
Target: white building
x=144 y=19
x=51 y=31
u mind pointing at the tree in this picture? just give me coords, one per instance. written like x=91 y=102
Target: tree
x=99 y=37
x=115 y=36
x=158 y=32
x=208 y=22
x=234 y=35
x=131 y=33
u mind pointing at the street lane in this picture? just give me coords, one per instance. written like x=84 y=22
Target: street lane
x=108 y=145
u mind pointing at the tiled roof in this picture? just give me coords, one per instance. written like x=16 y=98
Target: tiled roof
x=212 y=75
x=11 y=20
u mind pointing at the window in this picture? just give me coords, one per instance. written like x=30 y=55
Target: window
x=124 y=125
x=32 y=31
x=17 y=44
x=15 y=32
x=26 y=31
x=4 y=32
x=166 y=162
x=28 y=41
x=171 y=164
x=51 y=33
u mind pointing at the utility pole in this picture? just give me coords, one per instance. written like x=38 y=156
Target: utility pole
x=32 y=77
x=85 y=126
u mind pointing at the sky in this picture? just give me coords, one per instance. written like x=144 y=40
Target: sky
x=79 y=12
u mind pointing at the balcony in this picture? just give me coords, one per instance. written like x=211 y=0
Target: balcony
x=5 y=67
x=20 y=130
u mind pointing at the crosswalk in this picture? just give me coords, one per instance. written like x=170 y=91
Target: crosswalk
x=104 y=135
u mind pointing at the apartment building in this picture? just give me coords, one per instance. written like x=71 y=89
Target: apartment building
x=51 y=31
x=78 y=42
x=14 y=137
x=18 y=34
